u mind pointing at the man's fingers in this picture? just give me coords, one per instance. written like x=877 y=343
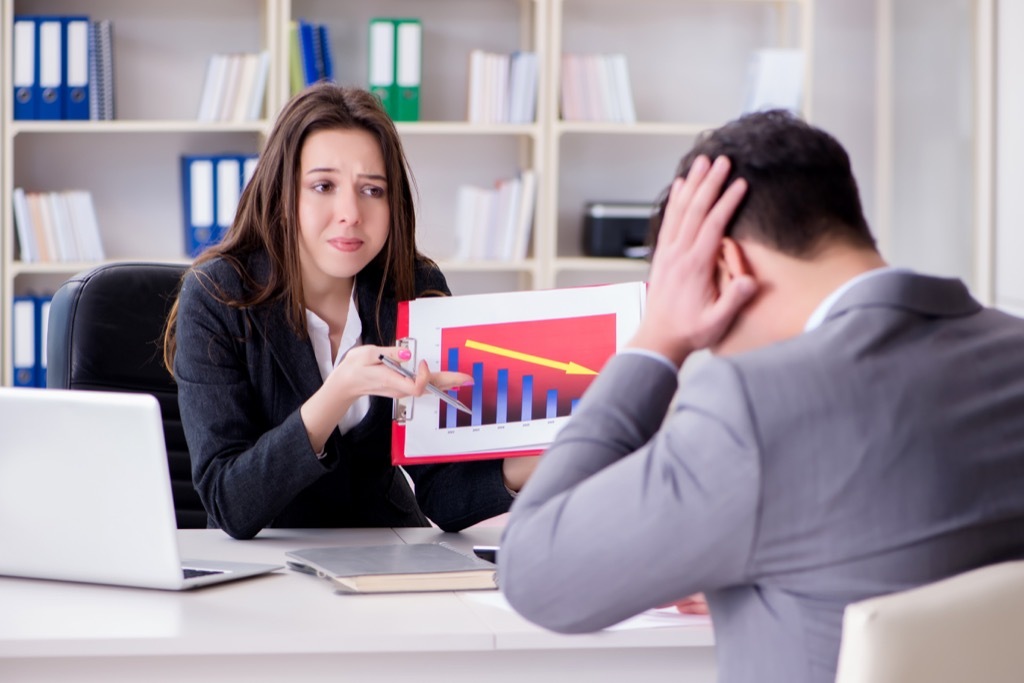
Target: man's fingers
x=679 y=199
x=713 y=227
x=734 y=296
x=704 y=198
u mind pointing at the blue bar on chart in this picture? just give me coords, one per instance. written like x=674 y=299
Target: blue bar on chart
x=451 y=413
x=527 y=398
x=478 y=394
x=572 y=408
x=501 y=411
x=552 y=403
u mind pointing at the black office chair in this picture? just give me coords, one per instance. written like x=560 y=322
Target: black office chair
x=105 y=333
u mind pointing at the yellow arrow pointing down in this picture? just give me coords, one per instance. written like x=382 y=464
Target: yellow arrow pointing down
x=570 y=368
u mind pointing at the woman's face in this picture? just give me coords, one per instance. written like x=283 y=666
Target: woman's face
x=343 y=206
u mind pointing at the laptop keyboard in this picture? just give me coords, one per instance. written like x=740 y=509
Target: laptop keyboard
x=193 y=573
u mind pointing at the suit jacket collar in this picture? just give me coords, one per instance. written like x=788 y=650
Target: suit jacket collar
x=290 y=350
x=922 y=294
x=294 y=351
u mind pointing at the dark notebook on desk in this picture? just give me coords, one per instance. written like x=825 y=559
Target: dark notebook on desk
x=85 y=493
x=396 y=568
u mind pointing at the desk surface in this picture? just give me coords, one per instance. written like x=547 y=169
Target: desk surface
x=292 y=624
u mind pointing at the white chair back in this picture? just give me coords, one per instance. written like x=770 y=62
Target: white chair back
x=969 y=627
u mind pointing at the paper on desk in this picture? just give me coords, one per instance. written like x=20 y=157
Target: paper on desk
x=652 y=618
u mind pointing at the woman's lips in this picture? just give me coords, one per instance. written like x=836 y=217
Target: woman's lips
x=345 y=244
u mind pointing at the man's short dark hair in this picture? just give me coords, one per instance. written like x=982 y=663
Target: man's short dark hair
x=801 y=188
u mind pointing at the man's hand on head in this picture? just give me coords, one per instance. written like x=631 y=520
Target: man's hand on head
x=685 y=309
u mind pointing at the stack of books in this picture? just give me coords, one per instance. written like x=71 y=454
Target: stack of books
x=775 y=80
x=62 y=68
x=502 y=87
x=493 y=224
x=395 y=65
x=234 y=87
x=56 y=227
x=310 y=59
x=101 y=70
x=211 y=186
x=596 y=88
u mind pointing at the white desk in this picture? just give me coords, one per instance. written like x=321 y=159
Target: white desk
x=292 y=626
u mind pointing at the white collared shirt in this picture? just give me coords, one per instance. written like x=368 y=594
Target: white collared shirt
x=351 y=337
x=821 y=312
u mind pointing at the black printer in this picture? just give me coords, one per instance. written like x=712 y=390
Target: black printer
x=617 y=228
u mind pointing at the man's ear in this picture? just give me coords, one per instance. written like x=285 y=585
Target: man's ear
x=732 y=262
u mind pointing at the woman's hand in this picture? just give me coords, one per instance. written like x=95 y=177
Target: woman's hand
x=515 y=471
x=693 y=604
x=361 y=373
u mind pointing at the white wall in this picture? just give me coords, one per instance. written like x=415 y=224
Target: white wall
x=1009 y=158
x=844 y=85
x=923 y=218
x=933 y=139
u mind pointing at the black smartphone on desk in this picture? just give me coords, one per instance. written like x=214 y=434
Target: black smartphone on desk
x=486 y=552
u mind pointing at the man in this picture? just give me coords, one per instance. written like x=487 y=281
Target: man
x=858 y=430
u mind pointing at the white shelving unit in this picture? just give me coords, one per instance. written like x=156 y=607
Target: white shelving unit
x=687 y=62
x=130 y=165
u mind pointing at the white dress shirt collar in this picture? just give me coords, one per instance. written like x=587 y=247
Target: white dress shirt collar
x=822 y=310
x=351 y=337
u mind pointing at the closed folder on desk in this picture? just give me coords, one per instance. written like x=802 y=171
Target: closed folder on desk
x=23 y=71
x=76 y=68
x=50 y=39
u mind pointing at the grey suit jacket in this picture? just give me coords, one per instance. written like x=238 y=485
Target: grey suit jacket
x=880 y=451
x=242 y=376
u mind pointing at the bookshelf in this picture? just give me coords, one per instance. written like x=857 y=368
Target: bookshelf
x=131 y=164
x=688 y=65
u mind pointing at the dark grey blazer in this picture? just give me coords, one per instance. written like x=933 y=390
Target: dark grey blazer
x=243 y=374
x=882 y=450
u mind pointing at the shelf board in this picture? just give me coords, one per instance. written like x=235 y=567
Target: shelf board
x=464 y=128
x=647 y=128
x=72 y=267
x=485 y=266
x=598 y=264
x=137 y=126
x=188 y=126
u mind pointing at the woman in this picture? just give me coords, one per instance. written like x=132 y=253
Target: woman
x=276 y=335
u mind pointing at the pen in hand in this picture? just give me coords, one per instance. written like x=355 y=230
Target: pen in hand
x=440 y=393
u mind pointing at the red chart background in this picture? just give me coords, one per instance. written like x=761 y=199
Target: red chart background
x=588 y=341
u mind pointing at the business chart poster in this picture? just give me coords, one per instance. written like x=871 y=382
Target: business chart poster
x=522 y=371
x=531 y=355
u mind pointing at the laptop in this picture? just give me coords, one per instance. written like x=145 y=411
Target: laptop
x=85 y=493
